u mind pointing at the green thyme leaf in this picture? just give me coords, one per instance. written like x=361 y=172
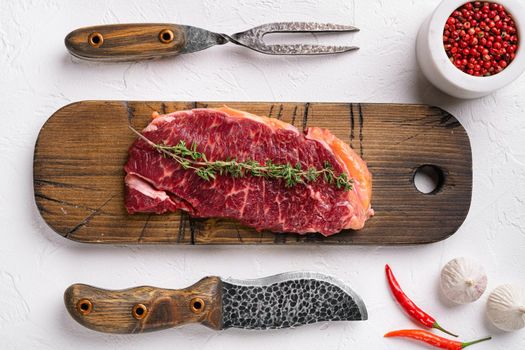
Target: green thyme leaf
x=189 y=158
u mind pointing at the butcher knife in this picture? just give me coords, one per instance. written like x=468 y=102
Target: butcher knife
x=286 y=300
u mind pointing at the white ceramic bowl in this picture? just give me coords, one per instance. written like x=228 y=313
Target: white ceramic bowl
x=437 y=67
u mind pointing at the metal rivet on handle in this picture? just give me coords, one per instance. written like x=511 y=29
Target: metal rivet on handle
x=84 y=306
x=166 y=36
x=139 y=311
x=95 y=39
x=197 y=305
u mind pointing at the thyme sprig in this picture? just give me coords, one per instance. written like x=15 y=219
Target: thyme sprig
x=190 y=159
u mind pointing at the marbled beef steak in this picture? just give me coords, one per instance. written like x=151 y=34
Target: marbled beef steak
x=158 y=184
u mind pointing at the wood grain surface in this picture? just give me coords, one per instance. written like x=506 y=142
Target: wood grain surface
x=126 y=42
x=112 y=311
x=81 y=150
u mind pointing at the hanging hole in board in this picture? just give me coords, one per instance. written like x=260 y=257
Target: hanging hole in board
x=95 y=39
x=139 y=311
x=84 y=306
x=166 y=36
x=428 y=179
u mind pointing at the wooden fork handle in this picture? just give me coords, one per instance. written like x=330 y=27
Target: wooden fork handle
x=145 y=309
x=126 y=42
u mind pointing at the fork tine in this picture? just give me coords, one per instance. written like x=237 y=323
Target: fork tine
x=301 y=27
x=300 y=49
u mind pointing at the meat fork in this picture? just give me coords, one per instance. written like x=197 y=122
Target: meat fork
x=130 y=42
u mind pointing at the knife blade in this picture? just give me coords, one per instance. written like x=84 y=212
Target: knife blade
x=286 y=300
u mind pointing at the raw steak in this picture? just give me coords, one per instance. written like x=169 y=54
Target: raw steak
x=157 y=184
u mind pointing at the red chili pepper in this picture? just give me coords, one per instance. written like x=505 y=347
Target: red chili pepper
x=432 y=339
x=408 y=305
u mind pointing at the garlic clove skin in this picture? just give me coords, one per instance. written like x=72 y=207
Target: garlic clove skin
x=463 y=280
x=506 y=307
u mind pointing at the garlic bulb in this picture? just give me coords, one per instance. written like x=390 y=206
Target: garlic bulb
x=506 y=307
x=463 y=280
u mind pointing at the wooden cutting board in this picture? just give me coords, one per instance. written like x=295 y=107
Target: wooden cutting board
x=82 y=148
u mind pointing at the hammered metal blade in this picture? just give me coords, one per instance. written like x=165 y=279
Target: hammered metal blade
x=253 y=38
x=198 y=39
x=288 y=300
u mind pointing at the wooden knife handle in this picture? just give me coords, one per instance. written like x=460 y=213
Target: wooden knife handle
x=126 y=42
x=145 y=309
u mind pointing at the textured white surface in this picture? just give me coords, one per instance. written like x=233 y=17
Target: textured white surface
x=38 y=77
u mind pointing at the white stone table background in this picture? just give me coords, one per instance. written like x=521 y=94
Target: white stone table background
x=38 y=76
